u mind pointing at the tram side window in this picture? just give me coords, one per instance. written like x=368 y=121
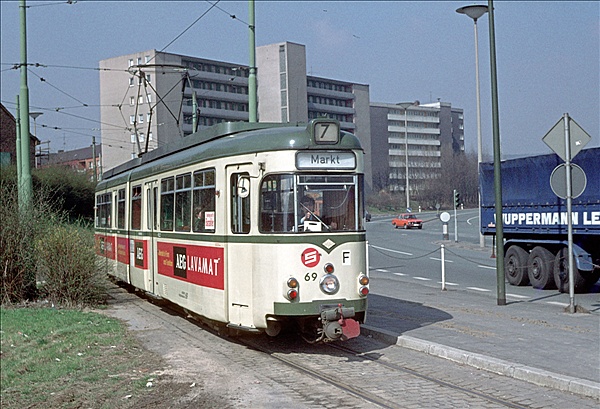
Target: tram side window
x=183 y=202
x=136 y=207
x=204 y=201
x=121 y=209
x=103 y=210
x=167 y=203
x=240 y=203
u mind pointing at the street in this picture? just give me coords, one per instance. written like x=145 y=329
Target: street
x=415 y=256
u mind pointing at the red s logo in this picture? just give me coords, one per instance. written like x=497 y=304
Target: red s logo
x=311 y=257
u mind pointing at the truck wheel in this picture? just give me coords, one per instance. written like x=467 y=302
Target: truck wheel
x=540 y=265
x=561 y=274
x=515 y=266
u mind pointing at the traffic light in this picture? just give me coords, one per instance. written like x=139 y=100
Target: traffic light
x=456 y=199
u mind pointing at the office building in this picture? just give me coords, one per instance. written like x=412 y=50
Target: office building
x=146 y=98
x=429 y=131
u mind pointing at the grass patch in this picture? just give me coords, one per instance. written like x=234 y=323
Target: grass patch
x=70 y=358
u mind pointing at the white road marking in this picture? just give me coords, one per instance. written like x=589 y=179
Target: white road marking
x=479 y=289
x=561 y=304
x=439 y=259
x=518 y=296
x=400 y=274
x=391 y=251
x=488 y=267
x=471 y=218
x=382 y=270
x=447 y=283
x=422 y=278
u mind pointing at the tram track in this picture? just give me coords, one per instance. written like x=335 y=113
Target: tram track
x=430 y=378
x=373 y=394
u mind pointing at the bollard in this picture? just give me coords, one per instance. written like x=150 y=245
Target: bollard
x=445 y=231
x=443 y=268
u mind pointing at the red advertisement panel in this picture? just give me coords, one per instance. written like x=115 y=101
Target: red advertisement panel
x=195 y=264
x=123 y=250
x=105 y=246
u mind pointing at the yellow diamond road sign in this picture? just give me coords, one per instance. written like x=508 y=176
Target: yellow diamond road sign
x=555 y=138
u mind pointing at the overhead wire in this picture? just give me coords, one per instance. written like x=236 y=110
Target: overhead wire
x=160 y=99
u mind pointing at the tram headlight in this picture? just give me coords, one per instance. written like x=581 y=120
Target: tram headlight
x=329 y=284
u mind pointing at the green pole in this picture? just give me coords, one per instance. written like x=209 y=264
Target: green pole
x=500 y=277
x=25 y=187
x=95 y=174
x=252 y=97
x=18 y=147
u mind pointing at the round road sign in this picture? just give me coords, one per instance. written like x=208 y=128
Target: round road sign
x=558 y=181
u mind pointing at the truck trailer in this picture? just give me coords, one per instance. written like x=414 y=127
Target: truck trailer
x=535 y=221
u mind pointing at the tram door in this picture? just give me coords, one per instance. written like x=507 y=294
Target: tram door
x=151 y=189
x=239 y=251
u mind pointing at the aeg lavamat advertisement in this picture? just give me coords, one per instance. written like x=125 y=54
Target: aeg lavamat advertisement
x=195 y=264
x=105 y=246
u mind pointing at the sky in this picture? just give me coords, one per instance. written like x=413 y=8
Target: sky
x=547 y=56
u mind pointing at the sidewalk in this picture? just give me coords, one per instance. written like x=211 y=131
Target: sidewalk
x=540 y=344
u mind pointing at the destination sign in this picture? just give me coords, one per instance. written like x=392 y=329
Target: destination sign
x=325 y=160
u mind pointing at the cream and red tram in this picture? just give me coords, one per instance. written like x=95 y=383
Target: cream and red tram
x=254 y=226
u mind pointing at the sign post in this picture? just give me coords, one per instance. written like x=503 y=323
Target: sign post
x=567 y=139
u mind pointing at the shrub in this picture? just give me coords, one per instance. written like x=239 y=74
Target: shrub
x=39 y=246
x=71 y=191
x=17 y=232
x=67 y=266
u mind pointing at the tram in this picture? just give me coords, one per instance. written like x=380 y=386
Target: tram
x=253 y=226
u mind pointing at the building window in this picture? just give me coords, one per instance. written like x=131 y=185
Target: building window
x=149 y=98
x=148 y=117
x=148 y=78
x=132 y=138
x=147 y=59
x=131 y=82
x=132 y=119
x=132 y=101
x=131 y=62
x=139 y=60
x=141 y=99
x=141 y=118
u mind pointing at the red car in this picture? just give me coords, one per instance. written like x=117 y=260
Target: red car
x=407 y=221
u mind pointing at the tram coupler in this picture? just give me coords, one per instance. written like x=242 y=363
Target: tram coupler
x=338 y=324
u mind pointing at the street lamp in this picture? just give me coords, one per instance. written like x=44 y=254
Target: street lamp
x=476 y=11
x=405 y=106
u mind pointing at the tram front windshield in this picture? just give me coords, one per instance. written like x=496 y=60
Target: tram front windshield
x=308 y=203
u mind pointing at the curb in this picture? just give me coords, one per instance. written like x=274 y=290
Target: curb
x=524 y=373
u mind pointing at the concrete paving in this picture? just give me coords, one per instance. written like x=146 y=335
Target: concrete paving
x=539 y=343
